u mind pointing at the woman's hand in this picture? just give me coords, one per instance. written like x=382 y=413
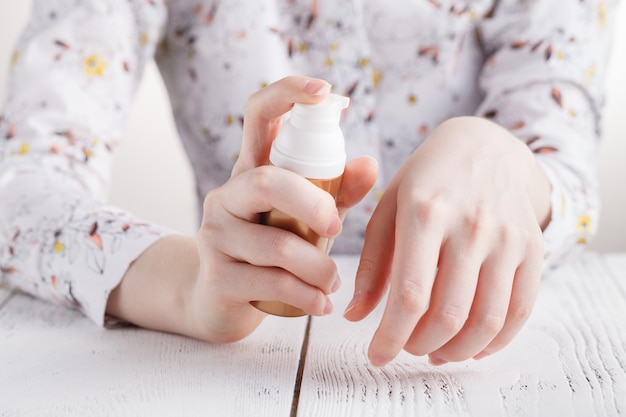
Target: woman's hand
x=242 y=260
x=202 y=286
x=465 y=216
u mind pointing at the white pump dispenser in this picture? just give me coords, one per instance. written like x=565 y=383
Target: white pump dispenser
x=311 y=144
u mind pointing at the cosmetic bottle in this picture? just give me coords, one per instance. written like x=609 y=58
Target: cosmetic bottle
x=310 y=143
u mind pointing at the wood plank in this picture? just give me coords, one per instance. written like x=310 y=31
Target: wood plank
x=55 y=362
x=569 y=360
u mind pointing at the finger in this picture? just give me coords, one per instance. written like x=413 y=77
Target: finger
x=358 y=179
x=488 y=311
x=267 y=187
x=452 y=295
x=372 y=276
x=417 y=244
x=523 y=296
x=264 y=111
x=269 y=246
x=253 y=283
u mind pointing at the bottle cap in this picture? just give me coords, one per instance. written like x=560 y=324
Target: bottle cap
x=311 y=142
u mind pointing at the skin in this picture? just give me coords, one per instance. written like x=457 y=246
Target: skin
x=465 y=213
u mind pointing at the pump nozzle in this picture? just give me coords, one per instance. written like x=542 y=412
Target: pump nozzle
x=311 y=142
x=319 y=117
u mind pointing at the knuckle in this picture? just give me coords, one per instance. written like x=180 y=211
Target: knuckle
x=323 y=209
x=328 y=270
x=536 y=244
x=451 y=319
x=217 y=276
x=287 y=289
x=489 y=323
x=318 y=303
x=282 y=285
x=211 y=226
x=209 y=204
x=427 y=207
x=318 y=211
x=281 y=244
x=412 y=297
x=524 y=237
x=521 y=313
x=263 y=180
x=253 y=99
x=479 y=223
x=510 y=235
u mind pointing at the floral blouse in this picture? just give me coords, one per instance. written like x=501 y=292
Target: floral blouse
x=535 y=67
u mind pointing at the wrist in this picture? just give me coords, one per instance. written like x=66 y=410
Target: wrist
x=156 y=290
x=494 y=142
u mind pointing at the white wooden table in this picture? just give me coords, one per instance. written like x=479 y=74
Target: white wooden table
x=569 y=360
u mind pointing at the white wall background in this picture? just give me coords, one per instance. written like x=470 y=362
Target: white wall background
x=160 y=187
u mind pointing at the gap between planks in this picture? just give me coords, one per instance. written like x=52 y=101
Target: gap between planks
x=298 y=384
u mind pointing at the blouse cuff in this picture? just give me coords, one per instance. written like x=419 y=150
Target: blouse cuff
x=568 y=232
x=62 y=245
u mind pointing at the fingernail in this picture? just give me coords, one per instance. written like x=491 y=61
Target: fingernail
x=336 y=285
x=329 y=306
x=353 y=303
x=481 y=355
x=436 y=361
x=316 y=87
x=335 y=228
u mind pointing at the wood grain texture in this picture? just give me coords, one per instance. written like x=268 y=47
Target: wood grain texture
x=55 y=362
x=569 y=360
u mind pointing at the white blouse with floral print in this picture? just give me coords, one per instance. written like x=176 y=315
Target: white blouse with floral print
x=535 y=67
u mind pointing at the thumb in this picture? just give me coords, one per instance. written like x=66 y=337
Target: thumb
x=359 y=177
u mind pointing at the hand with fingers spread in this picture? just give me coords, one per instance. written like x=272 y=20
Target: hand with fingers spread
x=465 y=215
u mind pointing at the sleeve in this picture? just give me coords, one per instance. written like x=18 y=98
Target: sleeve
x=71 y=83
x=544 y=81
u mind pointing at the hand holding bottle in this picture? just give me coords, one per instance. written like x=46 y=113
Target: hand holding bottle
x=242 y=260
x=311 y=144
x=202 y=286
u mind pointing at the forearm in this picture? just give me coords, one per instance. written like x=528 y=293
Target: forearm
x=155 y=291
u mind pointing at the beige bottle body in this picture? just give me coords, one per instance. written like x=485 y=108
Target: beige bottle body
x=311 y=144
x=281 y=220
